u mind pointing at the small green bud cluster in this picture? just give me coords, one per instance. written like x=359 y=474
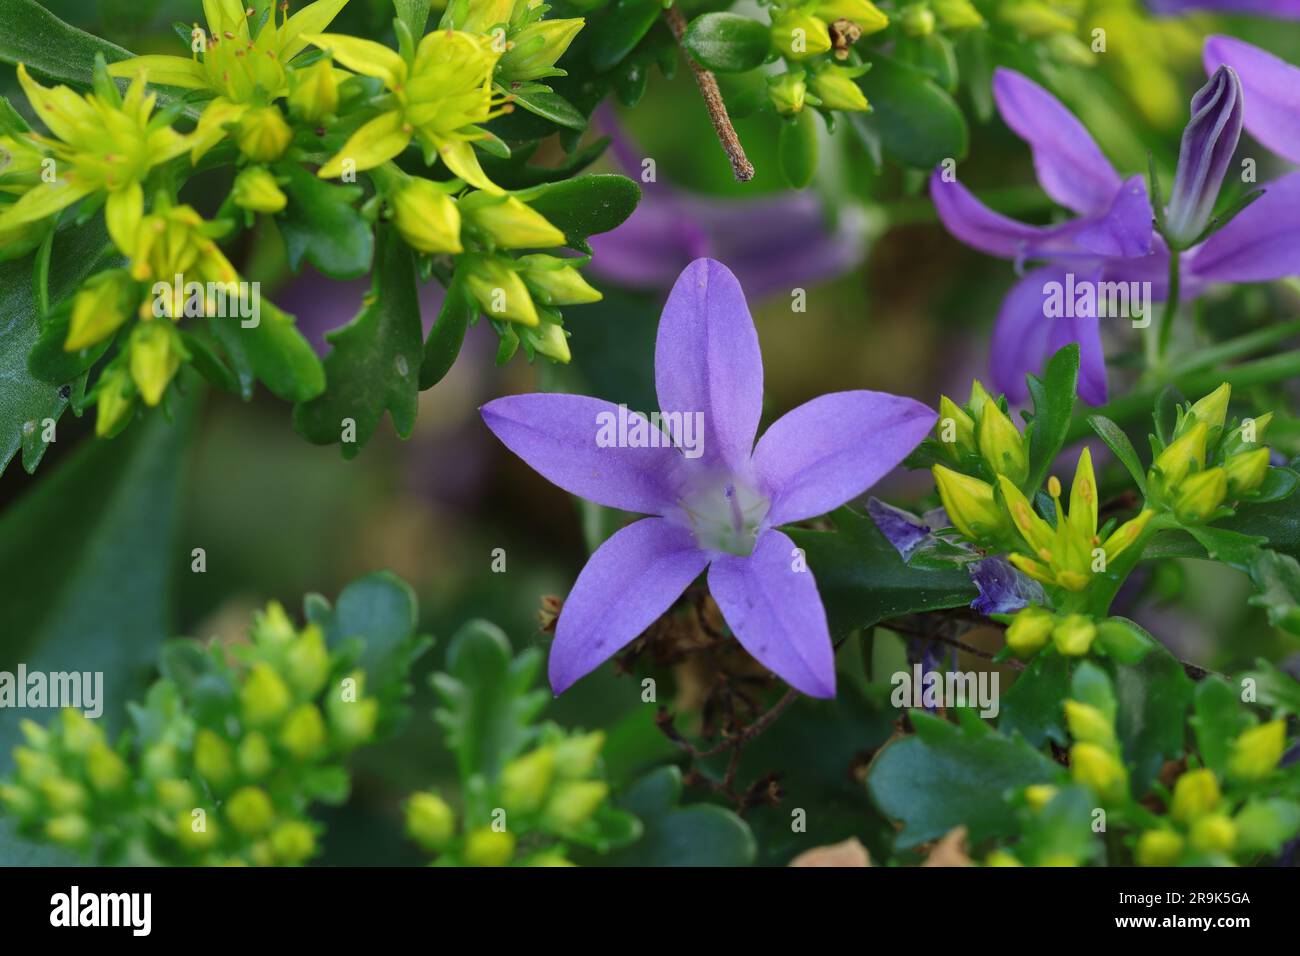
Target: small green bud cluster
x=1209 y=460
x=546 y=799
x=227 y=754
x=1073 y=634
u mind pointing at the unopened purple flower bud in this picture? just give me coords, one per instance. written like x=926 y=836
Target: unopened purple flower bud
x=1209 y=140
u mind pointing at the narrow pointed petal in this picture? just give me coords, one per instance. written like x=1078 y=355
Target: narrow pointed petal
x=776 y=613
x=566 y=439
x=828 y=451
x=1070 y=165
x=1271 y=87
x=707 y=360
x=311 y=19
x=1260 y=244
x=631 y=579
x=379 y=140
x=979 y=226
x=164 y=70
x=362 y=56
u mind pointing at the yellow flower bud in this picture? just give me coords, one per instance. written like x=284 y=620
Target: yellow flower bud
x=1195 y=794
x=263 y=135
x=20 y=801
x=33 y=767
x=1158 y=848
x=80 y=733
x=155 y=356
x=249 y=811
x=488 y=847
x=160 y=762
x=175 y=794
x=307 y=662
x=573 y=802
x=71 y=829
x=99 y=308
x=1074 y=634
x=430 y=822
x=264 y=698
x=353 y=722
x=1035 y=19
x=1098 y=768
x=553 y=281
x=482 y=15
x=1001 y=444
x=916 y=20
x=799 y=36
x=576 y=755
x=1246 y=471
x=63 y=795
x=254 y=756
x=1039 y=795
x=548 y=339
x=1200 y=494
x=1183 y=454
x=865 y=14
x=272 y=626
x=500 y=291
x=105 y=769
x=970 y=504
x=1001 y=858
x=534 y=49
x=303 y=733
x=1029 y=630
x=214 y=759
x=526 y=780
x=549 y=858
x=314 y=91
x=1212 y=409
x=834 y=86
x=426 y=217
x=955 y=429
x=293 y=842
x=256 y=190
x=1214 y=833
x=787 y=92
x=1089 y=724
x=1257 y=751
x=509 y=223
x=194 y=833
x=957 y=15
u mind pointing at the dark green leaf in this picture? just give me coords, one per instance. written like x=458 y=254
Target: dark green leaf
x=1217 y=719
x=26 y=402
x=322 y=225
x=1274 y=687
x=587 y=205
x=945 y=776
x=1153 y=696
x=621 y=30
x=32 y=35
x=1053 y=396
x=797 y=149
x=375 y=361
x=459 y=308
x=274 y=352
x=1032 y=705
x=415 y=14
x=917 y=123
x=863 y=581
x=552 y=106
x=1123 y=449
x=698 y=835
x=727 y=42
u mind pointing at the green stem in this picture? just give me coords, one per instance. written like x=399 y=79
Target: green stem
x=1241 y=346
x=1273 y=368
x=1171 y=304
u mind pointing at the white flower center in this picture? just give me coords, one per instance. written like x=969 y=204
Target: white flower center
x=724 y=514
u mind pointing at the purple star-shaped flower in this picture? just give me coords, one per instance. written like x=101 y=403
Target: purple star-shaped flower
x=719 y=510
x=1112 y=239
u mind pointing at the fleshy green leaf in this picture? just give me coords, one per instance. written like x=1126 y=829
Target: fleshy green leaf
x=1153 y=697
x=1123 y=449
x=273 y=352
x=698 y=835
x=727 y=42
x=322 y=225
x=448 y=334
x=587 y=205
x=628 y=22
x=1032 y=705
x=1054 y=397
x=917 y=123
x=375 y=362
x=945 y=776
x=551 y=106
x=797 y=149
x=1218 y=718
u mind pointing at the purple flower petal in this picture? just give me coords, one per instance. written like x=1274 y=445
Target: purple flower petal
x=1021 y=333
x=557 y=436
x=1085 y=331
x=776 y=613
x=1070 y=166
x=1003 y=589
x=902 y=529
x=1282 y=9
x=979 y=226
x=1209 y=140
x=1260 y=244
x=830 y=450
x=707 y=360
x=1126 y=227
x=1271 y=87
x=631 y=579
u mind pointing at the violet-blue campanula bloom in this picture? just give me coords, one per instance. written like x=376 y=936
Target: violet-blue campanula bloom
x=719 y=510
x=1209 y=140
x=1281 y=9
x=1272 y=92
x=1112 y=240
